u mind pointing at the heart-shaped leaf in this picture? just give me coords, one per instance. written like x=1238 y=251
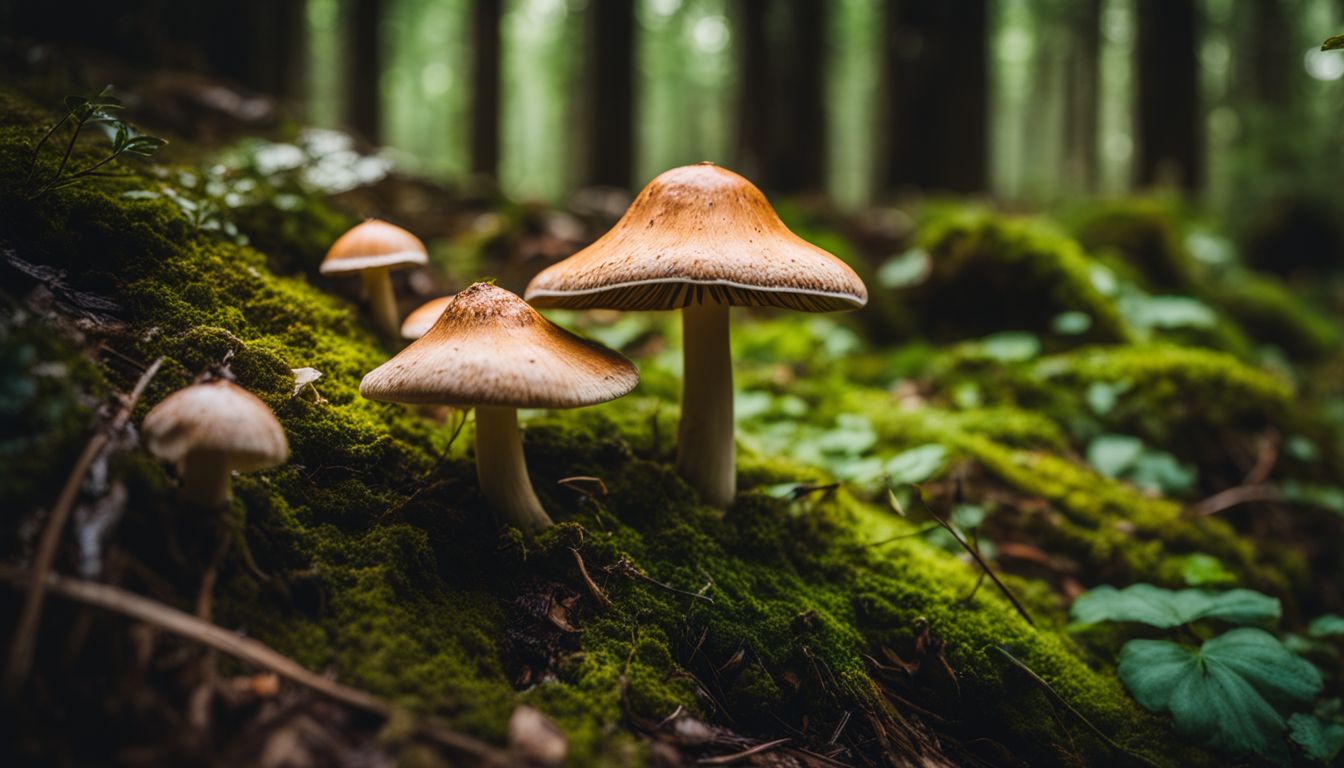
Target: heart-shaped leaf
x=1228 y=694
x=1165 y=608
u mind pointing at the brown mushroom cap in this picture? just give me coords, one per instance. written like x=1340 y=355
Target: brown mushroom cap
x=699 y=234
x=489 y=347
x=422 y=317
x=218 y=417
x=372 y=245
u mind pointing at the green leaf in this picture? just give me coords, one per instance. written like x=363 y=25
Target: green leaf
x=1333 y=43
x=1111 y=455
x=917 y=464
x=1071 y=323
x=1011 y=346
x=1147 y=604
x=909 y=268
x=1319 y=740
x=145 y=146
x=1201 y=570
x=1228 y=693
x=1328 y=625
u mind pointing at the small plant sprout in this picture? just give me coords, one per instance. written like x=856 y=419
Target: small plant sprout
x=701 y=239
x=101 y=110
x=491 y=351
x=373 y=249
x=212 y=429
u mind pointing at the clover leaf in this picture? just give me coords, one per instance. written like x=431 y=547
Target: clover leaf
x=1228 y=694
x=1165 y=608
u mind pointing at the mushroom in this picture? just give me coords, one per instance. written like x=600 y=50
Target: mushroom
x=422 y=317
x=210 y=430
x=491 y=351
x=701 y=239
x=374 y=249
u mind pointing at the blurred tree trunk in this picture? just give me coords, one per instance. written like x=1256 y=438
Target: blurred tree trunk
x=781 y=94
x=365 y=69
x=1081 y=104
x=485 y=87
x=1169 y=117
x=1271 y=55
x=609 y=90
x=936 y=106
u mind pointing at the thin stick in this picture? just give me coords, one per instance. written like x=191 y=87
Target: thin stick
x=629 y=569
x=1231 y=497
x=596 y=591
x=1049 y=689
x=25 y=636
x=247 y=649
x=733 y=758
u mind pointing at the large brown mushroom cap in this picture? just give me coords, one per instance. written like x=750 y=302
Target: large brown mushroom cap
x=372 y=245
x=699 y=234
x=491 y=348
x=216 y=417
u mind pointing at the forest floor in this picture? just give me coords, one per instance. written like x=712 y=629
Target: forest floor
x=1104 y=400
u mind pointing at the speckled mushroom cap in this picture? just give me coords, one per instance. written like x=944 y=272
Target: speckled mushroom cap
x=422 y=317
x=219 y=417
x=371 y=245
x=699 y=234
x=490 y=348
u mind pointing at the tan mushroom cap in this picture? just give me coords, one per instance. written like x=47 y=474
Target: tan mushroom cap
x=218 y=417
x=372 y=245
x=491 y=348
x=699 y=234
x=422 y=317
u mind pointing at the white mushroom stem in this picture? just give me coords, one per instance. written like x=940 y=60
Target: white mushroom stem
x=382 y=301
x=502 y=473
x=706 y=451
x=206 y=478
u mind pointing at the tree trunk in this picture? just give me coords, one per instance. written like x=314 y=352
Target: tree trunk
x=1168 y=125
x=365 y=69
x=485 y=87
x=781 y=95
x=936 y=121
x=609 y=75
x=1081 y=95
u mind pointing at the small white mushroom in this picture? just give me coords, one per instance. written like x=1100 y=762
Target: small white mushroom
x=701 y=239
x=211 y=430
x=373 y=249
x=491 y=351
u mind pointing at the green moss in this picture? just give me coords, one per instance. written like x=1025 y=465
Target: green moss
x=372 y=555
x=1274 y=314
x=991 y=273
x=1145 y=235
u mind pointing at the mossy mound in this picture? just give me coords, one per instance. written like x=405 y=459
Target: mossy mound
x=372 y=555
x=1143 y=237
x=992 y=273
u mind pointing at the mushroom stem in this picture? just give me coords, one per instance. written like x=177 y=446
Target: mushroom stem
x=206 y=478
x=501 y=471
x=706 y=451
x=382 y=301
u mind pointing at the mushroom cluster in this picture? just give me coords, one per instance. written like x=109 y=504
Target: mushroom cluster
x=701 y=239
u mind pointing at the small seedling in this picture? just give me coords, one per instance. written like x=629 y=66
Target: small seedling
x=101 y=110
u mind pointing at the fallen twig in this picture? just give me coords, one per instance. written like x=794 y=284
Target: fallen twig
x=628 y=568
x=756 y=750
x=1241 y=494
x=596 y=591
x=1052 y=693
x=30 y=616
x=247 y=649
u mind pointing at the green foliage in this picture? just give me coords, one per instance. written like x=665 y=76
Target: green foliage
x=1319 y=740
x=1329 y=625
x=917 y=464
x=100 y=110
x=1231 y=693
x=1166 y=608
x=1333 y=43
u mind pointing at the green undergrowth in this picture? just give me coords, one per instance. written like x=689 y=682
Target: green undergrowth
x=372 y=555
